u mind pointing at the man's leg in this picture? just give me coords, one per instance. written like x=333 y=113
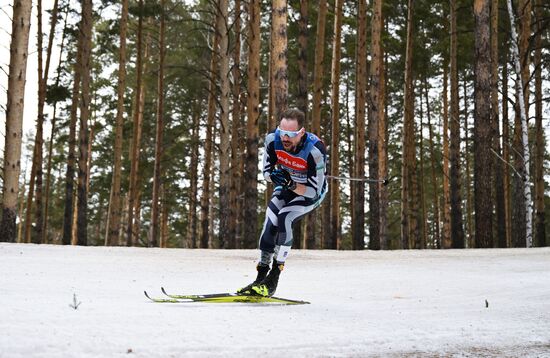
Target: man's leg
x=267 y=240
x=290 y=213
x=268 y=237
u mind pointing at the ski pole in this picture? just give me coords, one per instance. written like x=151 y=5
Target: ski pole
x=368 y=180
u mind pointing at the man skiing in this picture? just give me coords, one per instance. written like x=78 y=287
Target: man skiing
x=294 y=161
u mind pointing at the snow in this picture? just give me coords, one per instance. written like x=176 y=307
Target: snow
x=381 y=304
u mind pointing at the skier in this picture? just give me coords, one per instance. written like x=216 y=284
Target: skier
x=294 y=161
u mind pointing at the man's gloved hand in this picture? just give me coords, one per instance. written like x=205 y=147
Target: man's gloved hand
x=282 y=177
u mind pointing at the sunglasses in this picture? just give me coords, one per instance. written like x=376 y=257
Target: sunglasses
x=290 y=134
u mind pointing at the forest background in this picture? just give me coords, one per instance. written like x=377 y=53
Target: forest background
x=399 y=90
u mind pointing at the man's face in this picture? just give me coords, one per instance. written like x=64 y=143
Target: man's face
x=293 y=137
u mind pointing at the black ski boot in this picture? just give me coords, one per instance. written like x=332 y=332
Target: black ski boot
x=262 y=273
x=268 y=285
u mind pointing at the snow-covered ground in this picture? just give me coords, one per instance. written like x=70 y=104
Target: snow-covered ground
x=392 y=303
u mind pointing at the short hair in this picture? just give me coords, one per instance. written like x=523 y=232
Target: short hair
x=293 y=114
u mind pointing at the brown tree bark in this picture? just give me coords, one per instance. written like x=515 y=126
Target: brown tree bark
x=302 y=95
x=302 y=99
x=506 y=150
x=86 y=33
x=457 y=229
x=250 y=182
x=37 y=167
x=500 y=221
x=483 y=134
x=225 y=211
x=280 y=70
x=409 y=190
x=540 y=215
x=436 y=217
x=54 y=116
x=358 y=187
x=383 y=137
x=424 y=222
x=191 y=241
x=312 y=219
x=116 y=199
x=334 y=241
x=208 y=145
x=377 y=112
x=235 y=223
x=446 y=237
x=14 y=117
x=68 y=218
x=159 y=135
x=318 y=70
x=469 y=205
x=134 y=153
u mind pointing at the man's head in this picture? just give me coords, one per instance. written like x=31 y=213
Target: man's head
x=291 y=128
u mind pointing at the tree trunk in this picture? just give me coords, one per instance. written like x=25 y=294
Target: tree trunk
x=498 y=164
x=21 y=208
x=54 y=117
x=467 y=151
x=483 y=134
x=335 y=237
x=446 y=237
x=318 y=71
x=14 y=117
x=506 y=149
x=409 y=211
x=383 y=147
x=521 y=85
x=436 y=230
x=41 y=212
x=68 y=218
x=159 y=135
x=302 y=95
x=191 y=241
x=208 y=145
x=376 y=91
x=235 y=223
x=424 y=222
x=116 y=199
x=540 y=216
x=134 y=153
x=164 y=217
x=280 y=71
x=226 y=214
x=302 y=98
x=86 y=33
x=250 y=182
x=358 y=187
x=457 y=229
x=38 y=164
x=315 y=126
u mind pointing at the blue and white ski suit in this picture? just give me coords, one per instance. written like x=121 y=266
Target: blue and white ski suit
x=307 y=166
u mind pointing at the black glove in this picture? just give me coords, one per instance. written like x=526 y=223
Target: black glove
x=281 y=177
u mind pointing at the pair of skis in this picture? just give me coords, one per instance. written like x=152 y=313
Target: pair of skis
x=222 y=298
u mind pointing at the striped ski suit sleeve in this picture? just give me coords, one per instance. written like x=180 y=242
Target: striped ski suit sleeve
x=316 y=171
x=269 y=157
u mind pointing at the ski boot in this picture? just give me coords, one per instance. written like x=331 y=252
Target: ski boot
x=262 y=273
x=268 y=285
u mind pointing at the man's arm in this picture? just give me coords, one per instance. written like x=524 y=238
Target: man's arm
x=316 y=166
x=269 y=157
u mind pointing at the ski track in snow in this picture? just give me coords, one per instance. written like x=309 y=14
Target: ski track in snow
x=429 y=303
